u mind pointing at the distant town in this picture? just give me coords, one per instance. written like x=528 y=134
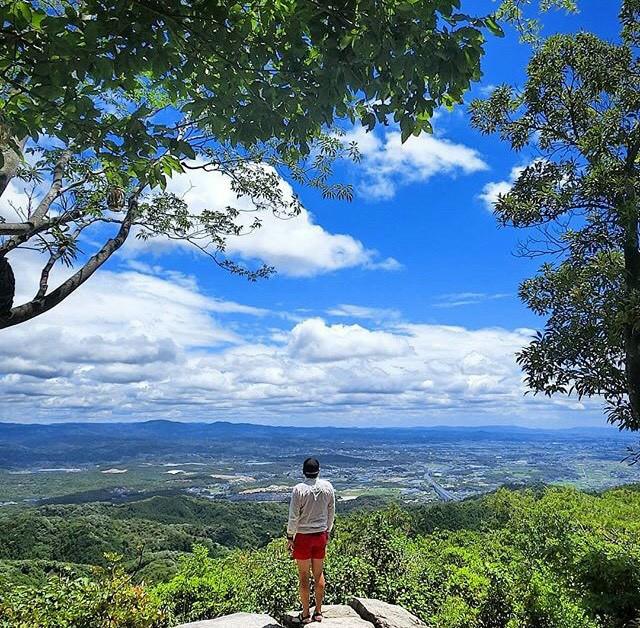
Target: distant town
x=238 y=462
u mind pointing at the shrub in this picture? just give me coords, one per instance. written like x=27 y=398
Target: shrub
x=108 y=600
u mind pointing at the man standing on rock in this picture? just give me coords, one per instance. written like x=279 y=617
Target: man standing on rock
x=311 y=516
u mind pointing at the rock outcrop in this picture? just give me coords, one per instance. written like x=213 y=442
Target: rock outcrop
x=335 y=616
x=383 y=615
x=237 y=620
x=361 y=613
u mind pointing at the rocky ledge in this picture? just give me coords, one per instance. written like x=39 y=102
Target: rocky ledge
x=237 y=620
x=361 y=613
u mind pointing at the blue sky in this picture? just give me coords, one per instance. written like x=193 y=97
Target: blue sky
x=439 y=230
x=399 y=308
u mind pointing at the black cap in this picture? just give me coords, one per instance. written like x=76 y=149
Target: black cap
x=311 y=468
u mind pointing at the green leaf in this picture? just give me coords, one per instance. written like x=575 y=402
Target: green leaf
x=494 y=27
x=36 y=20
x=188 y=150
x=406 y=128
x=23 y=10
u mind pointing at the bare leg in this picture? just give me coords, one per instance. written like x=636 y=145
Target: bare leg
x=318 y=579
x=303 y=576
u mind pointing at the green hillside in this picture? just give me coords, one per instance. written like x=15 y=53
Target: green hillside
x=150 y=534
x=551 y=558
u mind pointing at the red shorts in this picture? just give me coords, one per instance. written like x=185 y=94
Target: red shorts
x=307 y=546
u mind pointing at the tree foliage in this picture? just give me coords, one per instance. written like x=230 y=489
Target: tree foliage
x=514 y=12
x=107 y=599
x=580 y=203
x=112 y=98
x=557 y=558
x=162 y=528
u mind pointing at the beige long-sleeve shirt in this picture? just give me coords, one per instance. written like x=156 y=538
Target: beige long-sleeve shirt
x=312 y=507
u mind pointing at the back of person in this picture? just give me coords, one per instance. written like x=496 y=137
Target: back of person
x=313 y=506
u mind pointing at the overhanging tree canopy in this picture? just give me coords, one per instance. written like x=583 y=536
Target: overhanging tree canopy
x=115 y=96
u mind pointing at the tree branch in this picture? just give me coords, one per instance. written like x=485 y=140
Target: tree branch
x=56 y=185
x=38 y=216
x=22 y=236
x=44 y=276
x=14 y=228
x=38 y=306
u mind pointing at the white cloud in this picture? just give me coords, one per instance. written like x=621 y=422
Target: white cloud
x=316 y=341
x=348 y=310
x=300 y=248
x=116 y=313
x=458 y=299
x=494 y=189
x=388 y=164
x=140 y=345
x=296 y=246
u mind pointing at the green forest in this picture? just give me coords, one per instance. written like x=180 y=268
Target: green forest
x=548 y=557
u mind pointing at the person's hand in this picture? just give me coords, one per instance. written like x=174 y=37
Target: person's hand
x=290 y=546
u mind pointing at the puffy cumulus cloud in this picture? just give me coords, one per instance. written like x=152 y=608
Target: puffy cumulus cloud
x=388 y=164
x=296 y=246
x=136 y=307
x=119 y=328
x=299 y=247
x=315 y=341
x=166 y=350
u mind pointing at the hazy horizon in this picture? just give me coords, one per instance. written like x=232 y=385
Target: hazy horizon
x=333 y=426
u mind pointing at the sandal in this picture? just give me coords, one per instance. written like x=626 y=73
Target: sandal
x=302 y=620
x=317 y=616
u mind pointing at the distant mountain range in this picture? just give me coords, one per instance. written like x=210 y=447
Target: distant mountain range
x=35 y=445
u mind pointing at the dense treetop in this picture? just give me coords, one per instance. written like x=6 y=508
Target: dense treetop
x=246 y=72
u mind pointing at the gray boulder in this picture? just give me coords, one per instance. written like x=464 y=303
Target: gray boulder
x=383 y=615
x=335 y=616
x=237 y=620
x=362 y=613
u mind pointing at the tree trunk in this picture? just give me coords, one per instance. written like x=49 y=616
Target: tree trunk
x=632 y=322
x=7 y=287
x=10 y=165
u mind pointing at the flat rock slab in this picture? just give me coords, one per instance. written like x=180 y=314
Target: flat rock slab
x=383 y=615
x=339 y=611
x=335 y=616
x=237 y=620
